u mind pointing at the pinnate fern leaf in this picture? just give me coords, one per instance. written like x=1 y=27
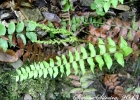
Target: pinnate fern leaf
x=78 y=61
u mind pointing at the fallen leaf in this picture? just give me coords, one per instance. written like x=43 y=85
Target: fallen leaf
x=8 y=56
x=74 y=77
x=76 y=83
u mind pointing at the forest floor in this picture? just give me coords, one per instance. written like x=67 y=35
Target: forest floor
x=86 y=25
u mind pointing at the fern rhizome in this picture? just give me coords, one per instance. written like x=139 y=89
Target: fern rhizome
x=77 y=60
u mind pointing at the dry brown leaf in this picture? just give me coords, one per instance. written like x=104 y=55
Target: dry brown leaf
x=111 y=80
x=74 y=77
x=28 y=52
x=34 y=53
x=118 y=22
x=92 y=30
x=76 y=83
x=5 y=5
x=8 y=56
x=123 y=32
x=20 y=43
x=116 y=30
x=104 y=28
x=137 y=37
x=91 y=39
x=119 y=91
x=14 y=41
x=19 y=53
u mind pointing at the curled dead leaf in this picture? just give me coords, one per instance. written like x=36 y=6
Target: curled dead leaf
x=8 y=56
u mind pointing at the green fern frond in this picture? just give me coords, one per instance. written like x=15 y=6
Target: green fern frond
x=63 y=64
x=53 y=30
x=54 y=41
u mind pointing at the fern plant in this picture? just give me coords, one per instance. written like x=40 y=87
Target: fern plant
x=28 y=30
x=67 y=5
x=102 y=6
x=63 y=64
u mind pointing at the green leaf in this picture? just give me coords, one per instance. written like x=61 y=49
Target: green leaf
x=76 y=90
x=77 y=18
x=100 y=11
x=84 y=52
x=27 y=69
x=92 y=50
x=35 y=73
x=46 y=64
x=19 y=27
x=123 y=43
x=17 y=78
x=73 y=20
x=121 y=1
x=137 y=90
x=86 y=77
x=107 y=6
x=82 y=18
x=64 y=59
x=114 y=3
x=100 y=61
x=91 y=63
x=50 y=24
x=11 y=28
x=31 y=74
x=32 y=67
x=67 y=69
x=66 y=7
x=32 y=36
x=25 y=76
x=70 y=57
x=98 y=2
x=135 y=25
x=18 y=72
x=40 y=71
x=3 y=44
x=64 y=2
x=127 y=51
x=62 y=70
x=21 y=77
x=41 y=65
x=55 y=72
x=82 y=66
x=77 y=56
x=75 y=66
x=111 y=45
x=101 y=46
x=22 y=37
x=73 y=27
x=10 y=40
x=51 y=62
x=50 y=70
x=119 y=57
x=37 y=66
x=31 y=26
x=86 y=84
x=45 y=71
x=90 y=20
x=58 y=61
x=91 y=90
x=108 y=60
x=2 y=29
x=130 y=35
